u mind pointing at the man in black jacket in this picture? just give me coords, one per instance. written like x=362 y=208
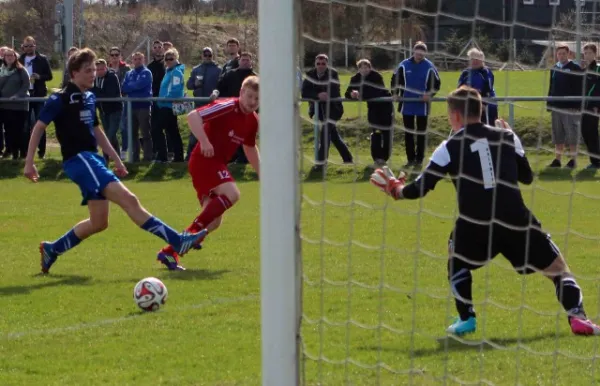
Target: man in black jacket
x=39 y=70
x=367 y=84
x=106 y=85
x=230 y=85
x=157 y=68
x=322 y=84
x=589 y=121
x=233 y=51
x=566 y=79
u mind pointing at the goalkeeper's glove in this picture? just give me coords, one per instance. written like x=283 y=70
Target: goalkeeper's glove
x=384 y=179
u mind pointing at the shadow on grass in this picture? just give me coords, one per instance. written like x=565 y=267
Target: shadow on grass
x=555 y=174
x=193 y=274
x=453 y=344
x=63 y=280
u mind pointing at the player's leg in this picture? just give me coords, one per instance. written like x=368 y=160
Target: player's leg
x=96 y=223
x=221 y=198
x=217 y=192
x=534 y=251
x=409 y=138
x=118 y=193
x=570 y=296
x=467 y=251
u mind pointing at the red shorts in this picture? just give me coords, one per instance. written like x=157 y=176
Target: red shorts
x=207 y=174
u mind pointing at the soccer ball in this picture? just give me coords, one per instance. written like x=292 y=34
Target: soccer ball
x=150 y=293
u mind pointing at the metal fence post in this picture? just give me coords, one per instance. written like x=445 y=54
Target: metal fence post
x=129 y=132
x=511 y=114
x=316 y=131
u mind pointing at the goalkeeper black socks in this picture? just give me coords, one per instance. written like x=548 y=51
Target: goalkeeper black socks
x=569 y=294
x=461 y=283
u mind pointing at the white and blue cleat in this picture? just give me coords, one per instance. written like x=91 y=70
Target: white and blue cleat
x=462 y=327
x=48 y=256
x=187 y=241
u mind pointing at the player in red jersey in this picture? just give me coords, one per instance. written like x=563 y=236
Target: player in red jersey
x=221 y=127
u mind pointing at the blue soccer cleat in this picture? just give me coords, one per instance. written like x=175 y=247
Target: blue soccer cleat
x=170 y=261
x=48 y=256
x=462 y=327
x=187 y=241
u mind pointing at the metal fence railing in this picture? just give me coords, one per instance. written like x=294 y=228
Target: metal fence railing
x=509 y=100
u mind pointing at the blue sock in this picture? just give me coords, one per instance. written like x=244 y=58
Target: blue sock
x=67 y=241
x=162 y=230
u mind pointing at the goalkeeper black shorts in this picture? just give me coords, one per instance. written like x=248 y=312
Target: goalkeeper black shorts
x=472 y=246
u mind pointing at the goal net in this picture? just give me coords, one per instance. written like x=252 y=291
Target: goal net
x=355 y=285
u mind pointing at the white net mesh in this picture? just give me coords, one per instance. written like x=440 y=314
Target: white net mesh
x=376 y=297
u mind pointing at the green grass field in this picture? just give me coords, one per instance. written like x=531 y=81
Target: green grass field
x=376 y=298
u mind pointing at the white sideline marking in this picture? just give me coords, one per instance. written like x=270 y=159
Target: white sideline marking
x=82 y=326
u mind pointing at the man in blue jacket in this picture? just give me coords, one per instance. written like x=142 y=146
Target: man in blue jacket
x=415 y=77
x=138 y=84
x=481 y=78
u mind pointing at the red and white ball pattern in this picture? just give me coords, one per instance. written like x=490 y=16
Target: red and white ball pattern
x=150 y=294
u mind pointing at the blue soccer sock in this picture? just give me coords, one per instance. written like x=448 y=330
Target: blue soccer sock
x=67 y=241
x=162 y=230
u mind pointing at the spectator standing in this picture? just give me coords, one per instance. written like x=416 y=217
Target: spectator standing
x=172 y=86
x=481 y=78
x=565 y=80
x=368 y=84
x=415 y=77
x=107 y=85
x=233 y=54
x=589 y=120
x=138 y=84
x=14 y=83
x=203 y=80
x=4 y=146
x=322 y=84
x=39 y=70
x=66 y=77
x=230 y=85
x=120 y=68
x=157 y=68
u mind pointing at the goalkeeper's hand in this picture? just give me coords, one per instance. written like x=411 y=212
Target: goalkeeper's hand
x=384 y=179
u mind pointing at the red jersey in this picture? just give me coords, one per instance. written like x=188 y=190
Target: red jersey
x=227 y=127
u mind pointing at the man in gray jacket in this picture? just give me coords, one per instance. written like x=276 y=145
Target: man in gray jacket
x=203 y=80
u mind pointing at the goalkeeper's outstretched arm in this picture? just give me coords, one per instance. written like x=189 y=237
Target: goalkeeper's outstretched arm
x=397 y=188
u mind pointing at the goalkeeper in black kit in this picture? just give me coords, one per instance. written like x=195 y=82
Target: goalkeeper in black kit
x=486 y=164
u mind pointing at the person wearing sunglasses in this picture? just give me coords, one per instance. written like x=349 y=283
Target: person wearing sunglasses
x=202 y=81
x=116 y=64
x=172 y=86
x=38 y=67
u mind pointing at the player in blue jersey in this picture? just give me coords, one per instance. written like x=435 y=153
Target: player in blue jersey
x=486 y=165
x=73 y=111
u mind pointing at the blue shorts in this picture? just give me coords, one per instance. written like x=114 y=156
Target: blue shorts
x=88 y=170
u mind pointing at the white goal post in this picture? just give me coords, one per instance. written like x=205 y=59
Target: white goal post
x=279 y=202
